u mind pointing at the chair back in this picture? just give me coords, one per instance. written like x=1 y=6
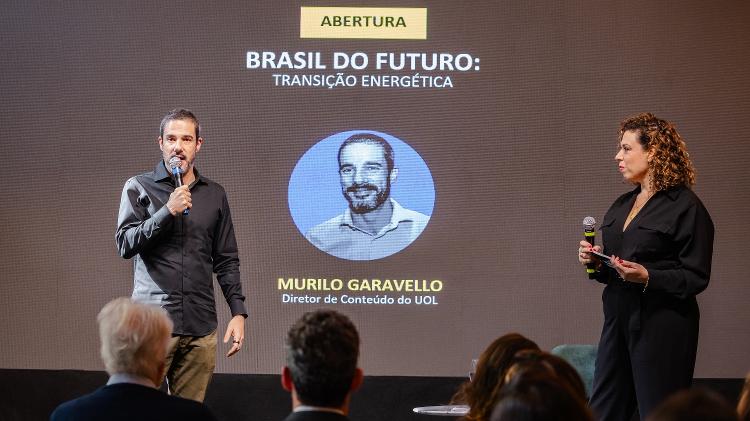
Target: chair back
x=582 y=358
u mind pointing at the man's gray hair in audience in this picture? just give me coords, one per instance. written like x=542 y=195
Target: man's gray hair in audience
x=134 y=337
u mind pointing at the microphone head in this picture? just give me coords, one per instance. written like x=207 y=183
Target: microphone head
x=174 y=164
x=589 y=223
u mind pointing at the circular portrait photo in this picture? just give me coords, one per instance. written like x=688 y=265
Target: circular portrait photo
x=361 y=195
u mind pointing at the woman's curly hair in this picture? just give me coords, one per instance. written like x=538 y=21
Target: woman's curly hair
x=670 y=163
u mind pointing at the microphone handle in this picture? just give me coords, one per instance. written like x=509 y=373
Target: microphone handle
x=178 y=182
x=590 y=237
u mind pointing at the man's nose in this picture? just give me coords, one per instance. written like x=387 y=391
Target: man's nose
x=178 y=146
x=360 y=177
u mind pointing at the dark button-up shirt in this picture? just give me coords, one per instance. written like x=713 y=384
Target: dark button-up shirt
x=672 y=236
x=175 y=255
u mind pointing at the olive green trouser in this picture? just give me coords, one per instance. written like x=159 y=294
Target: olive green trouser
x=190 y=364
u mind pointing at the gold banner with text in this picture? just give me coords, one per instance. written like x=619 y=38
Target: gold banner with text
x=363 y=22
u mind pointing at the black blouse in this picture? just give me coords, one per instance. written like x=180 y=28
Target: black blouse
x=672 y=237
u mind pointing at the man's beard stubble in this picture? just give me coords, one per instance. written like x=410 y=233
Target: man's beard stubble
x=361 y=206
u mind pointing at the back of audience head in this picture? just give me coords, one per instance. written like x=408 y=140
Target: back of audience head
x=557 y=367
x=481 y=393
x=743 y=407
x=694 y=405
x=322 y=349
x=134 y=339
x=536 y=393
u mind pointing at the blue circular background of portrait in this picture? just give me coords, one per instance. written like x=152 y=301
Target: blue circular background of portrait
x=315 y=191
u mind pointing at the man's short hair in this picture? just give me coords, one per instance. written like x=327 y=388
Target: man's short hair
x=370 y=139
x=322 y=348
x=133 y=336
x=180 y=114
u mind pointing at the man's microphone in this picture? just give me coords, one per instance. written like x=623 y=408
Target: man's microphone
x=174 y=164
x=589 y=234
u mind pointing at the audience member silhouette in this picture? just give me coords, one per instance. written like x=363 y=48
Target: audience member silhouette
x=480 y=393
x=694 y=405
x=743 y=407
x=134 y=340
x=321 y=370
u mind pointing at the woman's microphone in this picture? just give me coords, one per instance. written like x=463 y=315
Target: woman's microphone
x=589 y=234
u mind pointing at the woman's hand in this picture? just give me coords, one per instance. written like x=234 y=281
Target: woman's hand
x=630 y=271
x=584 y=255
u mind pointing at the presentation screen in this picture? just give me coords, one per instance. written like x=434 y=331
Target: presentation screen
x=423 y=167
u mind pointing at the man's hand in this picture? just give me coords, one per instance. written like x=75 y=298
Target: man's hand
x=236 y=331
x=179 y=200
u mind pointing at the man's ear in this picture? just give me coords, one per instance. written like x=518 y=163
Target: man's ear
x=393 y=175
x=160 y=372
x=286 y=379
x=357 y=380
x=198 y=144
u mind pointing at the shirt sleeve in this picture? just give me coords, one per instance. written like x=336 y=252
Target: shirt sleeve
x=227 y=263
x=694 y=235
x=136 y=229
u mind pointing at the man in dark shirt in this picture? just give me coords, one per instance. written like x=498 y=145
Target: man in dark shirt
x=178 y=236
x=134 y=340
x=321 y=371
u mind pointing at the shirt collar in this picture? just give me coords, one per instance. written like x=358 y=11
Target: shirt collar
x=308 y=408
x=399 y=215
x=118 y=378
x=161 y=173
x=673 y=192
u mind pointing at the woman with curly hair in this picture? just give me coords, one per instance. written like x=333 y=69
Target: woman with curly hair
x=481 y=392
x=659 y=238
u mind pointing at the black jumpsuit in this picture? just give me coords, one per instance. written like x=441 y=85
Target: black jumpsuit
x=649 y=339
